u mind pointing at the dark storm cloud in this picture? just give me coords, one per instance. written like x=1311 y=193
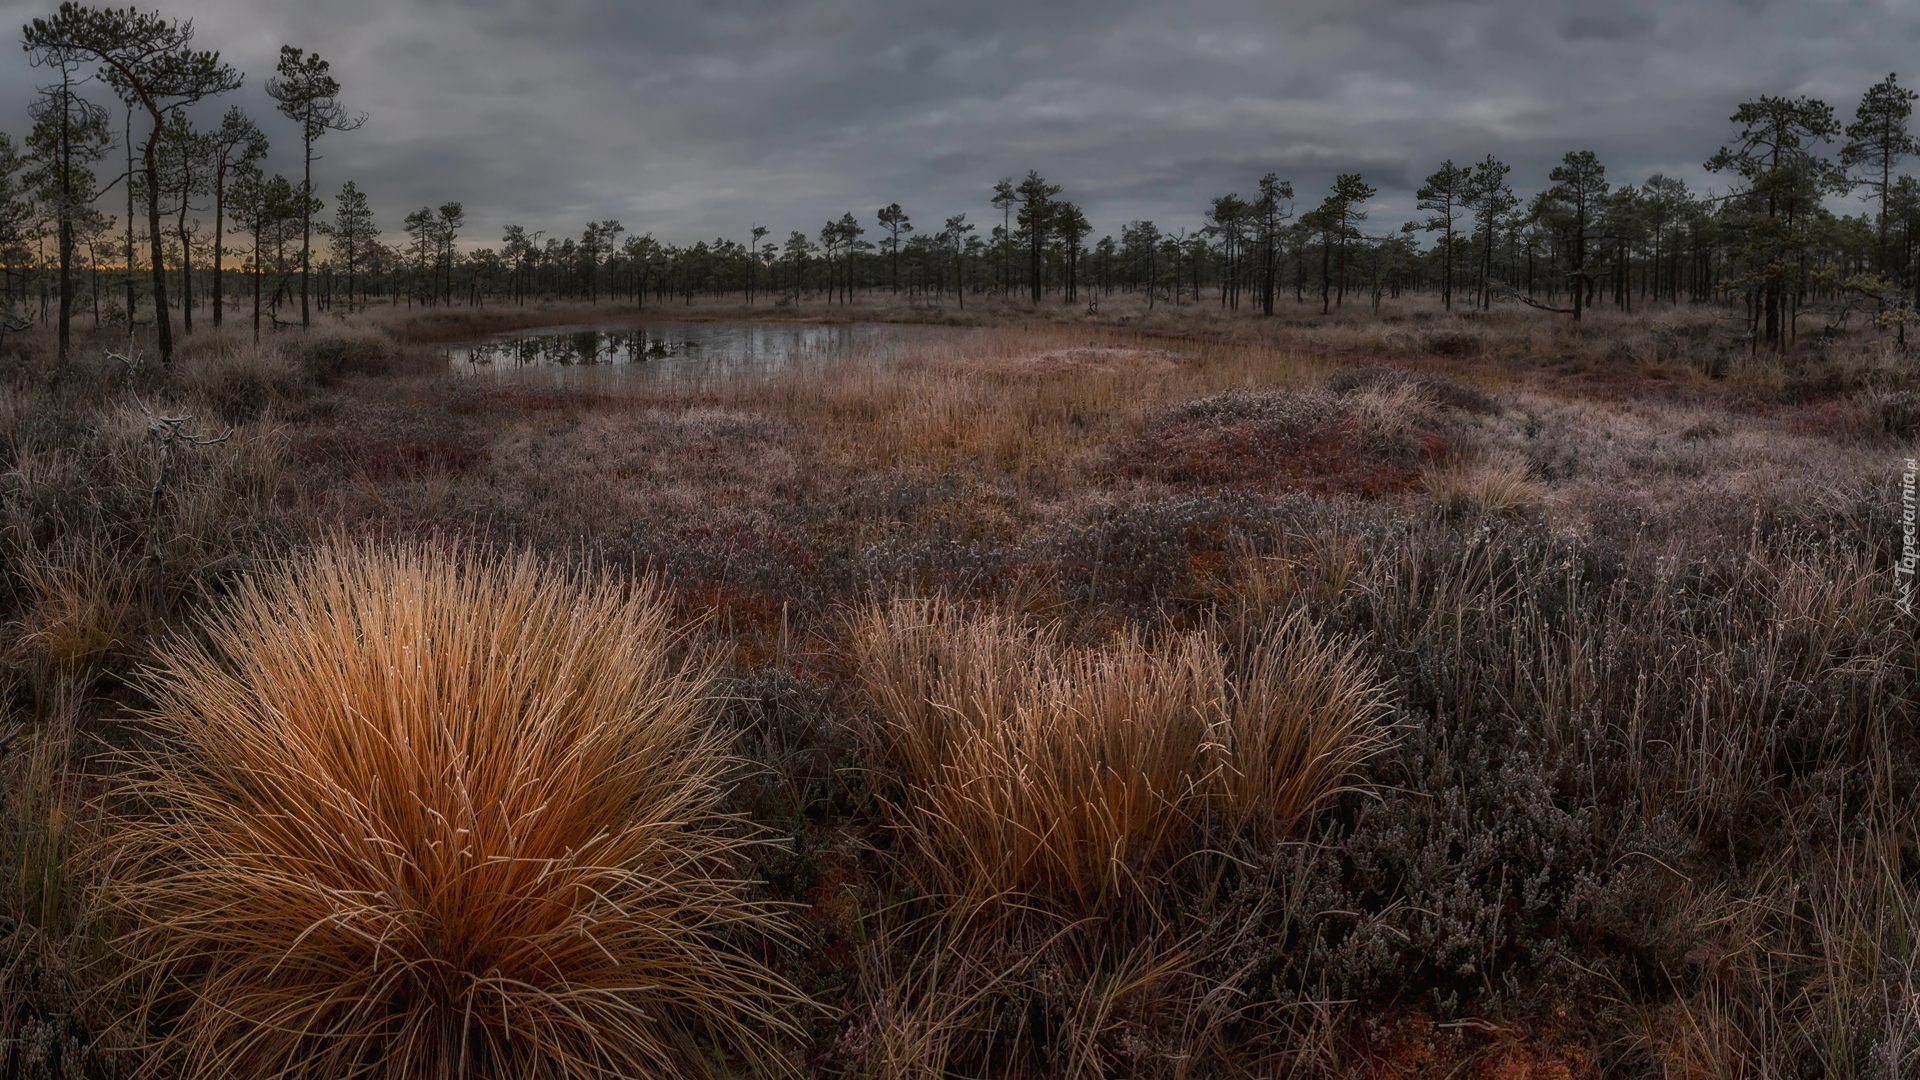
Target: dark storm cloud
x=695 y=119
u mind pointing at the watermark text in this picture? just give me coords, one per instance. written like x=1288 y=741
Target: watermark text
x=1903 y=570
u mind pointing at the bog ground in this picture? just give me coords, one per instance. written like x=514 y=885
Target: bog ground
x=1145 y=693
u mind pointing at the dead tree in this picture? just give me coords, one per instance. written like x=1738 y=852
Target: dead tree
x=166 y=432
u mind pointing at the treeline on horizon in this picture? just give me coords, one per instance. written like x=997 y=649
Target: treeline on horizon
x=205 y=222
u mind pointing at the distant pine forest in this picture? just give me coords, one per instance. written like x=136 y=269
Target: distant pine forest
x=116 y=192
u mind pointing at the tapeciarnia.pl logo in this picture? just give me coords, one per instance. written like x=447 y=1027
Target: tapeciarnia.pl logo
x=1909 y=549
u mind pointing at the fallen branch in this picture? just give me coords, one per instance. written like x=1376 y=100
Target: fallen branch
x=1511 y=293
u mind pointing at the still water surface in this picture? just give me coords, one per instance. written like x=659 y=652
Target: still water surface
x=664 y=349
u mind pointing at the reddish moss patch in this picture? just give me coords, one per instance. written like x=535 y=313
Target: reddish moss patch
x=1831 y=418
x=510 y=399
x=386 y=459
x=1275 y=441
x=1322 y=459
x=745 y=579
x=1415 y=1047
x=750 y=618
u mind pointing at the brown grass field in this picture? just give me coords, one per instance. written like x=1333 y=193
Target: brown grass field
x=1039 y=693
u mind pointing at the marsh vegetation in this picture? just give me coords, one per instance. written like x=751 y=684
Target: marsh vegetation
x=1161 y=693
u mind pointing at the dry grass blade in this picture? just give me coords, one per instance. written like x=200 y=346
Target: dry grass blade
x=80 y=607
x=431 y=817
x=1302 y=716
x=1036 y=771
x=1071 y=775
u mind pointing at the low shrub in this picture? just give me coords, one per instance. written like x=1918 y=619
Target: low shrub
x=1899 y=412
x=1453 y=341
x=1442 y=391
x=1438 y=340
x=1371 y=441
x=331 y=354
x=239 y=384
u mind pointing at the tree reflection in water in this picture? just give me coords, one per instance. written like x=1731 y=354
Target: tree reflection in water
x=664 y=349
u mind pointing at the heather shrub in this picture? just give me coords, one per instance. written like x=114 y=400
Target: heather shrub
x=1600 y=750
x=1453 y=341
x=1141 y=554
x=1442 y=391
x=331 y=353
x=1899 y=413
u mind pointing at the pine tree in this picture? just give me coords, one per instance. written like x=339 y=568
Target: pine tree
x=1445 y=193
x=1876 y=142
x=1491 y=200
x=1035 y=219
x=232 y=150
x=150 y=63
x=184 y=169
x=894 y=220
x=307 y=94
x=69 y=134
x=352 y=230
x=1271 y=211
x=1775 y=152
x=1572 y=206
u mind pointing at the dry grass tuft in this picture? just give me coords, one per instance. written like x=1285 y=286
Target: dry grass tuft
x=332 y=352
x=239 y=382
x=80 y=608
x=1439 y=340
x=1494 y=485
x=1822 y=972
x=431 y=817
x=1070 y=776
x=1443 y=392
x=1035 y=770
x=1898 y=412
x=52 y=1024
x=1301 y=716
x=1096 y=358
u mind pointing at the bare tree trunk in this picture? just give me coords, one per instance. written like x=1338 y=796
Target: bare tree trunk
x=306 y=222
x=219 y=241
x=1326 y=277
x=129 y=219
x=186 y=270
x=162 y=318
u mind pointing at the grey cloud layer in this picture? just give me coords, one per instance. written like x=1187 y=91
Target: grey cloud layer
x=694 y=119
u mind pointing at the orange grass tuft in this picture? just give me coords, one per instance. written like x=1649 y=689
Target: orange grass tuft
x=1302 y=715
x=1071 y=775
x=81 y=607
x=423 y=816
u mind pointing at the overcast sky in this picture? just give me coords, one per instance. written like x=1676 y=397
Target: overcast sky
x=690 y=120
